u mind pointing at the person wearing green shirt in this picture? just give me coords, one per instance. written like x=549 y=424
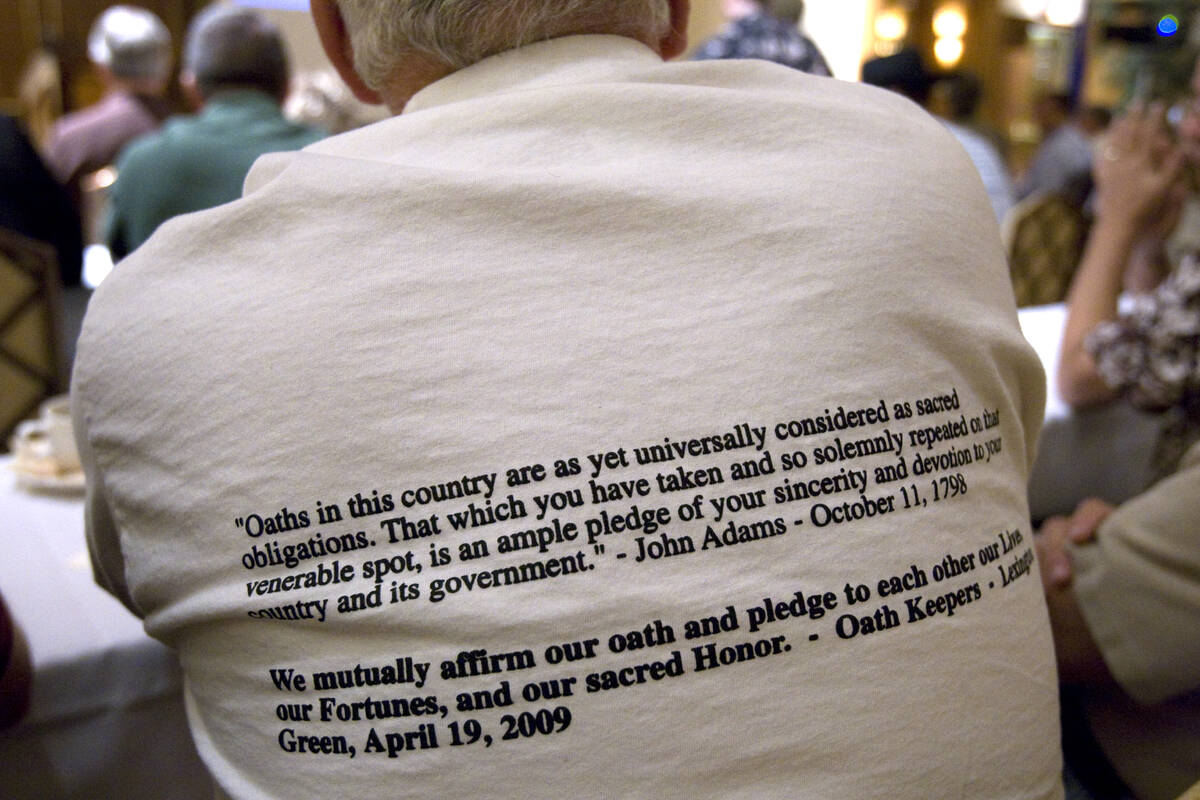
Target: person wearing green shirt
x=236 y=70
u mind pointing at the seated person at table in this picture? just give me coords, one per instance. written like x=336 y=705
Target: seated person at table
x=16 y=675
x=1123 y=586
x=1062 y=164
x=130 y=49
x=1150 y=355
x=754 y=30
x=535 y=442
x=235 y=66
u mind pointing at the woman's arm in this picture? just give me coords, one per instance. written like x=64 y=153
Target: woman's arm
x=1139 y=194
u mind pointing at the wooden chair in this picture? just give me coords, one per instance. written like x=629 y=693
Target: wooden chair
x=1043 y=237
x=32 y=367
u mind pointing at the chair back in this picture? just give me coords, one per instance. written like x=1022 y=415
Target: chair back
x=1043 y=237
x=32 y=367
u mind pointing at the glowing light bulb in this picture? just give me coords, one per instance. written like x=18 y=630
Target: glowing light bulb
x=1168 y=25
x=1065 y=13
x=948 y=51
x=891 y=26
x=950 y=23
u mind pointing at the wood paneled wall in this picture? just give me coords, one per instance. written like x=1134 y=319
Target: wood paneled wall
x=62 y=25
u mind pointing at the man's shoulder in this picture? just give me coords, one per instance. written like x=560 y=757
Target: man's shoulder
x=79 y=123
x=170 y=276
x=115 y=112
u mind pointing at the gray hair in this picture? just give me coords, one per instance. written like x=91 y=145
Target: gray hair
x=230 y=47
x=459 y=33
x=130 y=43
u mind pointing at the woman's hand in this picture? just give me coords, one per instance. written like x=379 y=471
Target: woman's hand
x=1137 y=173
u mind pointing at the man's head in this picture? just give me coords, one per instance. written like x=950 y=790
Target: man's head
x=234 y=48
x=1051 y=110
x=1094 y=119
x=132 y=48
x=962 y=93
x=386 y=50
x=903 y=73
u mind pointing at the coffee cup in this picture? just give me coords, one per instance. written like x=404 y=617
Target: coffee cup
x=56 y=421
x=30 y=444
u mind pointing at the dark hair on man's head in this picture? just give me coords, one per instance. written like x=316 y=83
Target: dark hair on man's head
x=1060 y=100
x=903 y=72
x=236 y=48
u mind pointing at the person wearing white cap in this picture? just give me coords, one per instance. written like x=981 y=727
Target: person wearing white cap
x=130 y=48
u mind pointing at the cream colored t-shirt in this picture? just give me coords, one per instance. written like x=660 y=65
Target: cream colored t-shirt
x=597 y=428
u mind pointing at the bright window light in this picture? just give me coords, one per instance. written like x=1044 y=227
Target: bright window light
x=97 y=263
x=1065 y=13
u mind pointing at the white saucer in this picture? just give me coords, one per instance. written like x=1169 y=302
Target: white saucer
x=64 y=483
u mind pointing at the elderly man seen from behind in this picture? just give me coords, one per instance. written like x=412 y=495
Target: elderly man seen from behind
x=595 y=427
x=236 y=69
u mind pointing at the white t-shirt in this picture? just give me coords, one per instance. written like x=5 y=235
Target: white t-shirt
x=599 y=427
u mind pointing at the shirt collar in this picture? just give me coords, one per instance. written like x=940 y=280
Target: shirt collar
x=562 y=61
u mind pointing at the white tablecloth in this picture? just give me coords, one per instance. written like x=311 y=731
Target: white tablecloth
x=107 y=718
x=1102 y=453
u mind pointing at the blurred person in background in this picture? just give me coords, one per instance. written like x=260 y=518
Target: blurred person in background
x=40 y=90
x=235 y=69
x=905 y=73
x=320 y=99
x=34 y=204
x=1094 y=121
x=130 y=48
x=962 y=94
x=957 y=96
x=753 y=31
x=1062 y=164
